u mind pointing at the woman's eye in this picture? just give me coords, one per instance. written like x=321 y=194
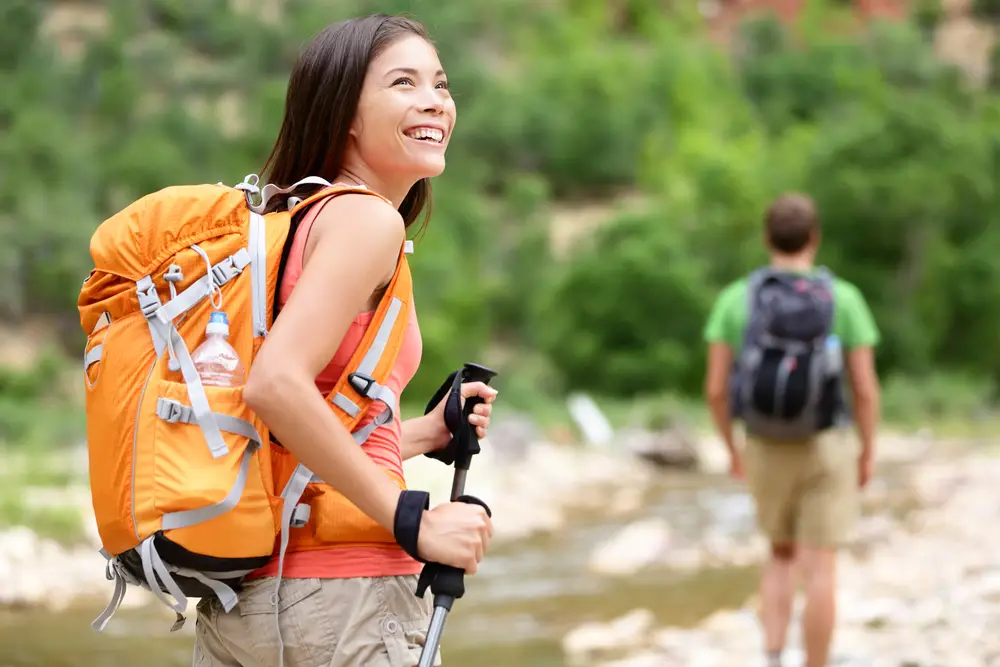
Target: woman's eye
x=404 y=79
x=443 y=85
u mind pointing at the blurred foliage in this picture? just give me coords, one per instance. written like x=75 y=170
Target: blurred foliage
x=580 y=100
x=986 y=9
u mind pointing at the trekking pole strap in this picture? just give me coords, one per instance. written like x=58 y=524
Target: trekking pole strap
x=446 y=582
x=406 y=522
x=464 y=443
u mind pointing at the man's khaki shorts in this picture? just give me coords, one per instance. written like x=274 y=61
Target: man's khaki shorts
x=370 y=621
x=805 y=493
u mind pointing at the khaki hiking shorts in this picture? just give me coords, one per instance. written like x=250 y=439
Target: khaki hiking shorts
x=367 y=621
x=807 y=492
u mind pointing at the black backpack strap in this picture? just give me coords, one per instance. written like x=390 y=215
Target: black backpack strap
x=755 y=281
x=824 y=275
x=827 y=277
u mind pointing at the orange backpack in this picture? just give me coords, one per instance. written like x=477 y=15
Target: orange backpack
x=183 y=490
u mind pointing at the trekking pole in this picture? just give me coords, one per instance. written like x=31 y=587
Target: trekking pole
x=447 y=582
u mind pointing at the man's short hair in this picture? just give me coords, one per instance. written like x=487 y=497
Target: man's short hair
x=791 y=222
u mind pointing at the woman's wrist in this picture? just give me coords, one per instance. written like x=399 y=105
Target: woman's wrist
x=388 y=504
x=438 y=434
x=424 y=434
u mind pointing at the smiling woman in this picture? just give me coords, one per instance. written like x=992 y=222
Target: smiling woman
x=404 y=104
x=368 y=109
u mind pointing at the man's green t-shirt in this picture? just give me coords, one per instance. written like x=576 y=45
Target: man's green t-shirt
x=853 y=322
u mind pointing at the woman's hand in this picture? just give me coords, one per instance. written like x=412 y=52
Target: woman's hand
x=480 y=417
x=429 y=433
x=456 y=534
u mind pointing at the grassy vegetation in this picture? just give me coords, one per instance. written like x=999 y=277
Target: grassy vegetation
x=38 y=489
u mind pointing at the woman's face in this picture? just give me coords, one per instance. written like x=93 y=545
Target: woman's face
x=405 y=114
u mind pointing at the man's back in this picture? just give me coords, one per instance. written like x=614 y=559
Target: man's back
x=853 y=323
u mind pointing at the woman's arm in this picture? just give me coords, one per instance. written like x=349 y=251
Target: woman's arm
x=355 y=243
x=352 y=250
x=423 y=434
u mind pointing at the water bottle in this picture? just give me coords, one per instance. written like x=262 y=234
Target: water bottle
x=216 y=361
x=834 y=355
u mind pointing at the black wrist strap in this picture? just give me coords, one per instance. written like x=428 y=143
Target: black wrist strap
x=406 y=524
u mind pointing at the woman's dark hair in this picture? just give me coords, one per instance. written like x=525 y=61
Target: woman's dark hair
x=321 y=102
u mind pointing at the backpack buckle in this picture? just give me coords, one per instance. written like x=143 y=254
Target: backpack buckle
x=362 y=383
x=300 y=515
x=149 y=301
x=230 y=267
x=173 y=412
x=222 y=272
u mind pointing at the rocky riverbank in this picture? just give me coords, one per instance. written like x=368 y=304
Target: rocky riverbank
x=921 y=589
x=534 y=488
x=530 y=491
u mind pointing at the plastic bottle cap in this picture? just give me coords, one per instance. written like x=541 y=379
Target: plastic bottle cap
x=218 y=323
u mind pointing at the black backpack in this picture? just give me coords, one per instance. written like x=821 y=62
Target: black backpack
x=787 y=375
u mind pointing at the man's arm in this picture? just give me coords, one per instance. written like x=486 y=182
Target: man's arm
x=720 y=330
x=859 y=336
x=867 y=399
x=720 y=359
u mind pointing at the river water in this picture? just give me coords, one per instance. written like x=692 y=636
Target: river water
x=529 y=593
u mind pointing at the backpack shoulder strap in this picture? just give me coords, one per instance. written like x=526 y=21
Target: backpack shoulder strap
x=325 y=193
x=297 y=205
x=755 y=281
x=826 y=277
x=365 y=376
x=362 y=382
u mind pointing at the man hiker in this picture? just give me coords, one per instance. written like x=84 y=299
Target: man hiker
x=783 y=343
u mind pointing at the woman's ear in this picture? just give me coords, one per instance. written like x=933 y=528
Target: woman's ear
x=355 y=128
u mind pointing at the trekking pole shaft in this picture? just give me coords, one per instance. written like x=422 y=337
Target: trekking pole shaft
x=442 y=603
x=458 y=483
x=433 y=637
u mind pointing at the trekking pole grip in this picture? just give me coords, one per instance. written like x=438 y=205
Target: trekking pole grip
x=466 y=439
x=446 y=582
x=464 y=443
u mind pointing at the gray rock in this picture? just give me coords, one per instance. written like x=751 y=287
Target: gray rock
x=670 y=448
x=511 y=436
